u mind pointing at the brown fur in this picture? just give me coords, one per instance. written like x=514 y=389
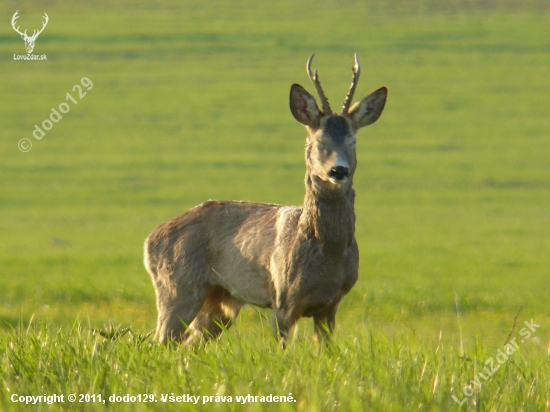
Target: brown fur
x=298 y=260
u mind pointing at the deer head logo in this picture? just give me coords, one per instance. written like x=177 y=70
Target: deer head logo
x=29 y=40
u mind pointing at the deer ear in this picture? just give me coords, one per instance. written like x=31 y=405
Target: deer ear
x=303 y=106
x=368 y=110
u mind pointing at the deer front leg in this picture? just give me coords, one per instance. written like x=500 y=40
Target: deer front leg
x=323 y=325
x=281 y=321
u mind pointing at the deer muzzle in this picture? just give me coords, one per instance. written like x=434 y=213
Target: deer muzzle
x=338 y=173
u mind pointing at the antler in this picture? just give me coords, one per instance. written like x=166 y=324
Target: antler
x=35 y=34
x=356 y=72
x=315 y=79
x=15 y=17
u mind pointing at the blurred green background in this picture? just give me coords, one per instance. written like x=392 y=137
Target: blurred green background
x=190 y=102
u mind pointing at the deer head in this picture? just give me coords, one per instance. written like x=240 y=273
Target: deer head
x=29 y=40
x=330 y=148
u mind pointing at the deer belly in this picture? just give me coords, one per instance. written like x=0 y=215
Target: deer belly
x=245 y=281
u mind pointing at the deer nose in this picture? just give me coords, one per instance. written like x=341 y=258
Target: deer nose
x=339 y=172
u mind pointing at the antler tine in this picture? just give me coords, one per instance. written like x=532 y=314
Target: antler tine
x=13 y=21
x=355 y=79
x=15 y=17
x=315 y=79
x=46 y=20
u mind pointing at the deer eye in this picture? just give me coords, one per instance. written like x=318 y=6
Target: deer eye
x=321 y=144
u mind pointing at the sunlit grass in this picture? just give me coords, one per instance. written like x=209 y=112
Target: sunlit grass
x=364 y=370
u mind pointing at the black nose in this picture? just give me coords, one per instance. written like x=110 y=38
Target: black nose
x=339 y=172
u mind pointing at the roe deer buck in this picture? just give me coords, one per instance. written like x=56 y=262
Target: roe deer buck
x=299 y=261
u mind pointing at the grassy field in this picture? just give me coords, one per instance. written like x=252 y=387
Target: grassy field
x=190 y=102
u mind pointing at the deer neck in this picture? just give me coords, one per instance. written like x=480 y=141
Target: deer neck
x=327 y=217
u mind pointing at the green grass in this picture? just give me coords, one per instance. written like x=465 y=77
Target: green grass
x=365 y=371
x=190 y=102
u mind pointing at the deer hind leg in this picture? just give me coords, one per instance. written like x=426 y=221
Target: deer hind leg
x=179 y=299
x=216 y=314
